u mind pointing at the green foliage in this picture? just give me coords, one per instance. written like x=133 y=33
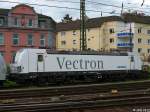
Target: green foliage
x=67 y=18
x=146 y=68
x=9 y=83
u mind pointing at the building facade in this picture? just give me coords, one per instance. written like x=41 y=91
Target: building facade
x=22 y=27
x=107 y=34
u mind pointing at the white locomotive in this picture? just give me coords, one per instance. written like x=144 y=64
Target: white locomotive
x=41 y=64
x=3 y=71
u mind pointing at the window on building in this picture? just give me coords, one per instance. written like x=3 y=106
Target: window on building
x=23 y=21
x=111 y=30
x=148 y=41
x=15 y=39
x=74 y=32
x=111 y=40
x=63 y=42
x=42 y=23
x=42 y=40
x=139 y=30
x=63 y=33
x=1 y=39
x=148 y=50
x=139 y=40
x=30 y=39
x=30 y=23
x=89 y=49
x=1 y=21
x=2 y=53
x=88 y=29
x=50 y=40
x=74 y=41
x=15 y=21
x=139 y=50
x=148 y=31
x=89 y=39
x=74 y=49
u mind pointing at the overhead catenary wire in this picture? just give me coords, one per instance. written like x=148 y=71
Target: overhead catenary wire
x=64 y=1
x=136 y=5
x=54 y=6
x=71 y=8
x=99 y=3
x=45 y=5
x=60 y=6
x=116 y=6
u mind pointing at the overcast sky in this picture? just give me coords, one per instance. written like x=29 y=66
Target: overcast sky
x=58 y=13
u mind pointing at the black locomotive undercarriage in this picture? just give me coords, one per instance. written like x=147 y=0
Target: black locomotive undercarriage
x=75 y=77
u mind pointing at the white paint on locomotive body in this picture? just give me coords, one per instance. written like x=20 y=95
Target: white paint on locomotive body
x=38 y=60
x=62 y=62
x=3 y=71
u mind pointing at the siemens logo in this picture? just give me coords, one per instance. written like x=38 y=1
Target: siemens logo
x=121 y=67
x=79 y=64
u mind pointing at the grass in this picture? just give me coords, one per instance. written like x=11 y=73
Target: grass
x=9 y=83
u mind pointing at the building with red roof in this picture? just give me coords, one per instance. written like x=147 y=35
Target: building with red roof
x=22 y=27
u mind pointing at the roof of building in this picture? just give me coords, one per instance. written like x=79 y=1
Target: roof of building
x=88 y=52
x=97 y=22
x=44 y=16
x=6 y=11
x=137 y=19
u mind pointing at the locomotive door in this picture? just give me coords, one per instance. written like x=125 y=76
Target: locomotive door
x=40 y=63
x=132 y=63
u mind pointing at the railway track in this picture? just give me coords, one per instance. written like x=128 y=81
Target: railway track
x=75 y=97
x=122 y=99
x=74 y=90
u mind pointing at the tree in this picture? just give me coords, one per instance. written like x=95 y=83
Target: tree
x=67 y=18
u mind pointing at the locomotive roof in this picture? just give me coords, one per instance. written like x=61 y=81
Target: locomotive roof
x=87 y=53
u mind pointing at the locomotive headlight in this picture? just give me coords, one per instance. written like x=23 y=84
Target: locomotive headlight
x=19 y=69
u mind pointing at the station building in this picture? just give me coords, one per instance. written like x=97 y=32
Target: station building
x=22 y=27
x=108 y=34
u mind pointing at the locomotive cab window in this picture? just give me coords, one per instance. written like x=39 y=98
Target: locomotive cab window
x=132 y=58
x=40 y=58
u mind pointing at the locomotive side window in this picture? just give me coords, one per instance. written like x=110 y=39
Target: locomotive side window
x=132 y=58
x=40 y=58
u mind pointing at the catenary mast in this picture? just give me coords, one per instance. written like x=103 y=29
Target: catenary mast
x=83 y=43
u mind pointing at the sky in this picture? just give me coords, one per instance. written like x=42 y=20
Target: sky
x=97 y=7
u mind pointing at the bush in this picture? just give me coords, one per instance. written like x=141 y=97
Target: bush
x=146 y=68
x=9 y=83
